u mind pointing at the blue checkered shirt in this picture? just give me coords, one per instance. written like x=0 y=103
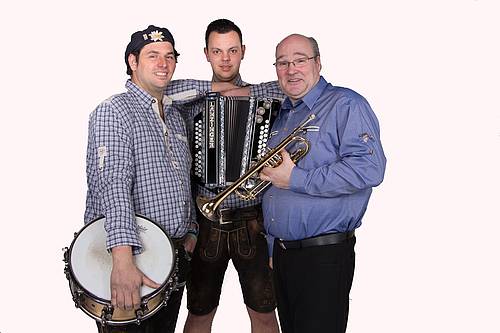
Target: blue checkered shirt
x=138 y=164
x=188 y=96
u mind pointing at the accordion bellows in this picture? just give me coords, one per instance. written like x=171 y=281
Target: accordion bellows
x=229 y=136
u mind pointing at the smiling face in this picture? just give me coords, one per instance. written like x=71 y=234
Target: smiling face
x=224 y=53
x=297 y=81
x=153 y=68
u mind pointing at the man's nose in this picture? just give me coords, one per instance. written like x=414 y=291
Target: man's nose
x=291 y=68
x=162 y=62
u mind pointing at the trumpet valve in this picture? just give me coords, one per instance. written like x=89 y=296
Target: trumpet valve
x=275 y=160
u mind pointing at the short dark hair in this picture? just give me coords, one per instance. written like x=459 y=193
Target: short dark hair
x=136 y=55
x=222 y=26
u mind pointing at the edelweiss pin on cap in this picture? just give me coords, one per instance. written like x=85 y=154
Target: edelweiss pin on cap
x=150 y=35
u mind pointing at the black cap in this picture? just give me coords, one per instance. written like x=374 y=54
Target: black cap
x=150 y=35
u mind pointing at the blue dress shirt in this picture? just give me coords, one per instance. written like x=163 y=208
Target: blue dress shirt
x=330 y=186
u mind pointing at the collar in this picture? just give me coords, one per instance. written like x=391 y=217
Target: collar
x=237 y=81
x=143 y=96
x=310 y=98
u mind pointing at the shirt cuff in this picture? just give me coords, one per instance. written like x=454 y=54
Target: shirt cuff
x=118 y=237
x=298 y=180
x=270 y=244
x=194 y=228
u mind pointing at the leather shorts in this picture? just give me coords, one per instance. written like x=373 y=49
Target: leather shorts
x=243 y=242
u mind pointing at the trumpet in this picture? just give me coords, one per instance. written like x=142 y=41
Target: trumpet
x=272 y=158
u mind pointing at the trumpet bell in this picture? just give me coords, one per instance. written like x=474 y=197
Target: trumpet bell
x=207 y=207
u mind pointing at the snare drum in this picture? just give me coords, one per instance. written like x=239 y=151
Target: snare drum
x=88 y=269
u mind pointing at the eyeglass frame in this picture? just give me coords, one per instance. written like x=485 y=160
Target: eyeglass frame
x=288 y=63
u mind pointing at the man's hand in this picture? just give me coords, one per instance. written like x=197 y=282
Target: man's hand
x=223 y=86
x=280 y=175
x=190 y=243
x=229 y=89
x=243 y=91
x=271 y=262
x=126 y=280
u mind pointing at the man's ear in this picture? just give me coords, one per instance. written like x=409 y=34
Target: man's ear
x=318 y=61
x=205 y=50
x=132 y=61
x=243 y=48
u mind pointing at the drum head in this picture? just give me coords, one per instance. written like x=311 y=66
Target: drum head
x=91 y=263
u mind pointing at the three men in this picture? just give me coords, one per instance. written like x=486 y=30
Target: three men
x=138 y=162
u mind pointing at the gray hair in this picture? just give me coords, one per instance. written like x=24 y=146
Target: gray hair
x=314 y=45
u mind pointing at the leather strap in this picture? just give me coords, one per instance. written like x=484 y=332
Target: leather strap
x=326 y=239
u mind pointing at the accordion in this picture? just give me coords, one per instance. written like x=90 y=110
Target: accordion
x=229 y=136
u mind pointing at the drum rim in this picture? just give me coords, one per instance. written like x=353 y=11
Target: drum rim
x=147 y=297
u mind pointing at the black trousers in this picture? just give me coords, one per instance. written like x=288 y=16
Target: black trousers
x=165 y=319
x=312 y=287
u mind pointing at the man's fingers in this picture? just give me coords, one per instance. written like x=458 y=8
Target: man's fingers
x=264 y=174
x=113 y=297
x=190 y=243
x=150 y=283
x=136 y=299
x=286 y=156
x=128 y=300
x=120 y=300
x=284 y=153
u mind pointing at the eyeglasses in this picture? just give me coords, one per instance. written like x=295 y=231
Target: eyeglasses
x=298 y=63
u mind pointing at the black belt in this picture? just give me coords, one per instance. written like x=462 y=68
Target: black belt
x=227 y=216
x=327 y=239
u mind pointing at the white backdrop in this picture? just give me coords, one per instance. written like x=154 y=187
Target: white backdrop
x=426 y=252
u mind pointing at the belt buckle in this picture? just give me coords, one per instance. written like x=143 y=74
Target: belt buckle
x=221 y=220
x=282 y=245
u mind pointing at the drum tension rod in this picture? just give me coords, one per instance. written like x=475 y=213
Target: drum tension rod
x=106 y=314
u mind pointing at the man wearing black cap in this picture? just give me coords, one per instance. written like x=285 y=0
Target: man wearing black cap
x=138 y=162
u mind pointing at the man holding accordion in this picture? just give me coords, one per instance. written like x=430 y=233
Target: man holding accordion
x=237 y=232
